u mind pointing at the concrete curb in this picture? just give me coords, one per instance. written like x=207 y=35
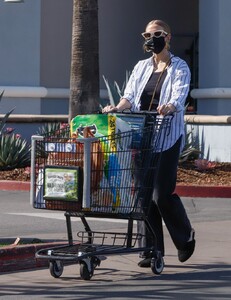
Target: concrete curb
x=204 y=191
x=22 y=257
x=11 y=185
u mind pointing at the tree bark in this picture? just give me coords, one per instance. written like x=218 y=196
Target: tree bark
x=84 y=81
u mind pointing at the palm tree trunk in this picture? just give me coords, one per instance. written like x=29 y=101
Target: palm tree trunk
x=84 y=82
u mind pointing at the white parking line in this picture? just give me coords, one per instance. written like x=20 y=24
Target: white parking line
x=60 y=216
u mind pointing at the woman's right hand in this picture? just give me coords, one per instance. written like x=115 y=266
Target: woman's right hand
x=123 y=104
x=109 y=108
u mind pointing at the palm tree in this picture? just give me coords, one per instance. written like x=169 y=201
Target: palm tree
x=84 y=82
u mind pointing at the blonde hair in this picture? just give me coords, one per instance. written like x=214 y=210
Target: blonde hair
x=160 y=23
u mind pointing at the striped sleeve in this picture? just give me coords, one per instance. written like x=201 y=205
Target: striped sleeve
x=180 y=85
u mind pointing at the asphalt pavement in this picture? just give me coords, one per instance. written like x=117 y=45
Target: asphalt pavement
x=206 y=275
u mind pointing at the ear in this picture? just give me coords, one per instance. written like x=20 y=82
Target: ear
x=168 y=38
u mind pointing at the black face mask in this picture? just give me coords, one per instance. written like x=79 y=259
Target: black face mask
x=154 y=44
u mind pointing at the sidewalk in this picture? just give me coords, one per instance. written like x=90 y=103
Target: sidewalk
x=209 y=213
x=205 y=276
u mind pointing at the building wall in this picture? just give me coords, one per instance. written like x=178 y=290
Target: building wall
x=212 y=139
x=36 y=43
x=20 y=43
x=35 y=49
x=121 y=23
x=55 y=51
x=214 y=58
x=20 y=51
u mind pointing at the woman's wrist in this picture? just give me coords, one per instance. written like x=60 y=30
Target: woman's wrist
x=123 y=104
x=171 y=107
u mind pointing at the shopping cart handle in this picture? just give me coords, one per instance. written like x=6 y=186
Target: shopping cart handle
x=140 y=112
x=144 y=112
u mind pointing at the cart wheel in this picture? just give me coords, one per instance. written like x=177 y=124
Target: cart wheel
x=85 y=274
x=157 y=265
x=95 y=262
x=56 y=268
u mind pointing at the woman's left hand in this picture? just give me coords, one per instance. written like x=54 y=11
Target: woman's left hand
x=166 y=109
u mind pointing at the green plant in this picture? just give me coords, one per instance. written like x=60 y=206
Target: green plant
x=114 y=90
x=3 y=121
x=54 y=130
x=191 y=149
x=14 y=152
x=51 y=130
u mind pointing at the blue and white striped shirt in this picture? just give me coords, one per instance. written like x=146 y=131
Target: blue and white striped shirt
x=174 y=90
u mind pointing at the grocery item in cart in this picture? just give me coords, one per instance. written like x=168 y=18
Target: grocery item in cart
x=99 y=125
x=62 y=183
x=71 y=153
x=116 y=171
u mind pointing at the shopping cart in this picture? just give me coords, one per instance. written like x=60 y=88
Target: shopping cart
x=97 y=177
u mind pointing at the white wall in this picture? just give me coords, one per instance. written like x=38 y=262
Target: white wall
x=214 y=140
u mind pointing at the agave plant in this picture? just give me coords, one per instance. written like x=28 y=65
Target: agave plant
x=114 y=90
x=14 y=152
x=54 y=130
x=51 y=130
x=191 y=150
x=3 y=121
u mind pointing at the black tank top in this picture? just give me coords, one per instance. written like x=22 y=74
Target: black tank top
x=146 y=96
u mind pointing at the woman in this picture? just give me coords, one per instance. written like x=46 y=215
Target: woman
x=161 y=83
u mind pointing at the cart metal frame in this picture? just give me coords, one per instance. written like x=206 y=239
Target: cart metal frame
x=93 y=245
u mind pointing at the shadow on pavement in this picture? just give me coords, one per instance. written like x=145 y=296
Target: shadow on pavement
x=210 y=281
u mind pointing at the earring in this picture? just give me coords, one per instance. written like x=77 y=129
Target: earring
x=167 y=45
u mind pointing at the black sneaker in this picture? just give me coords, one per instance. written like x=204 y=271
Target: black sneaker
x=145 y=263
x=186 y=252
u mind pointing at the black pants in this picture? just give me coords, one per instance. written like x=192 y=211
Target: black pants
x=163 y=204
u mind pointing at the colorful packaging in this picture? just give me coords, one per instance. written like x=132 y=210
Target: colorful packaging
x=99 y=124
x=62 y=183
x=111 y=194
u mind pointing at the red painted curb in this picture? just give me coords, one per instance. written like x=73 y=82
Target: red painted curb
x=181 y=190
x=204 y=191
x=16 y=258
x=11 y=185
